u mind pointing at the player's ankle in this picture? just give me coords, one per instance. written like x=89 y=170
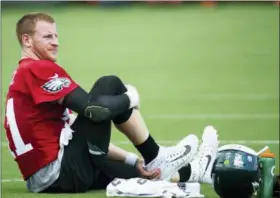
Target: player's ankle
x=149 y=149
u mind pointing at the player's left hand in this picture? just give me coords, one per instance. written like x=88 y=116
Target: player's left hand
x=154 y=174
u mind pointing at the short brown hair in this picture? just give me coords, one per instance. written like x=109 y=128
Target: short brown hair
x=27 y=23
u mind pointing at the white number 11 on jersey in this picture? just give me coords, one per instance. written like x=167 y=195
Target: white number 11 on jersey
x=21 y=148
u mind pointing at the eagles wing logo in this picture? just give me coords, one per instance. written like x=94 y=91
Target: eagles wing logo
x=56 y=84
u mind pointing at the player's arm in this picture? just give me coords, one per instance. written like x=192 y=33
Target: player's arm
x=118 y=154
x=99 y=108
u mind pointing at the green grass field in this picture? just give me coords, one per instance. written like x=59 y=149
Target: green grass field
x=193 y=66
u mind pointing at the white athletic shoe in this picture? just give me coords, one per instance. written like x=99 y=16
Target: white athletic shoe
x=170 y=159
x=203 y=162
x=188 y=140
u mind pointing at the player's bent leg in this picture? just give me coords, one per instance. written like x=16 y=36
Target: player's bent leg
x=131 y=123
x=98 y=134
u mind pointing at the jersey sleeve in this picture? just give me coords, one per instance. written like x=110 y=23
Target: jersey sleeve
x=48 y=82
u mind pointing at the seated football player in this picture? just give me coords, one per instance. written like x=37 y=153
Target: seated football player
x=56 y=157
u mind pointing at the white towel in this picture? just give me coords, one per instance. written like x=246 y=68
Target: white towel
x=138 y=187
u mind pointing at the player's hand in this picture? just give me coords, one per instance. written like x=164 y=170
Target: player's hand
x=155 y=174
x=133 y=96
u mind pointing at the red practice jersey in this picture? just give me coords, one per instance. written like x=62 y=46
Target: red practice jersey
x=33 y=121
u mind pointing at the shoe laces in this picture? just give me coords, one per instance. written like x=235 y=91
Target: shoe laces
x=173 y=155
x=204 y=149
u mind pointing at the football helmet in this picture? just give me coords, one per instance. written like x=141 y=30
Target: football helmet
x=235 y=172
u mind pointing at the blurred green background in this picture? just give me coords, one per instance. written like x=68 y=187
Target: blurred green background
x=193 y=66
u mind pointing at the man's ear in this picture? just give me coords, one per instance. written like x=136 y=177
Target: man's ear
x=26 y=40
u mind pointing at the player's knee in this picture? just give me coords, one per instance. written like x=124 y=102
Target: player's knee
x=111 y=79
x=111 y=84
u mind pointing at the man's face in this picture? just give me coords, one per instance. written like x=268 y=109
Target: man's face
x=44 y=41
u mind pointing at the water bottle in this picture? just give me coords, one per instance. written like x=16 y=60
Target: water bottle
x=267 y=166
